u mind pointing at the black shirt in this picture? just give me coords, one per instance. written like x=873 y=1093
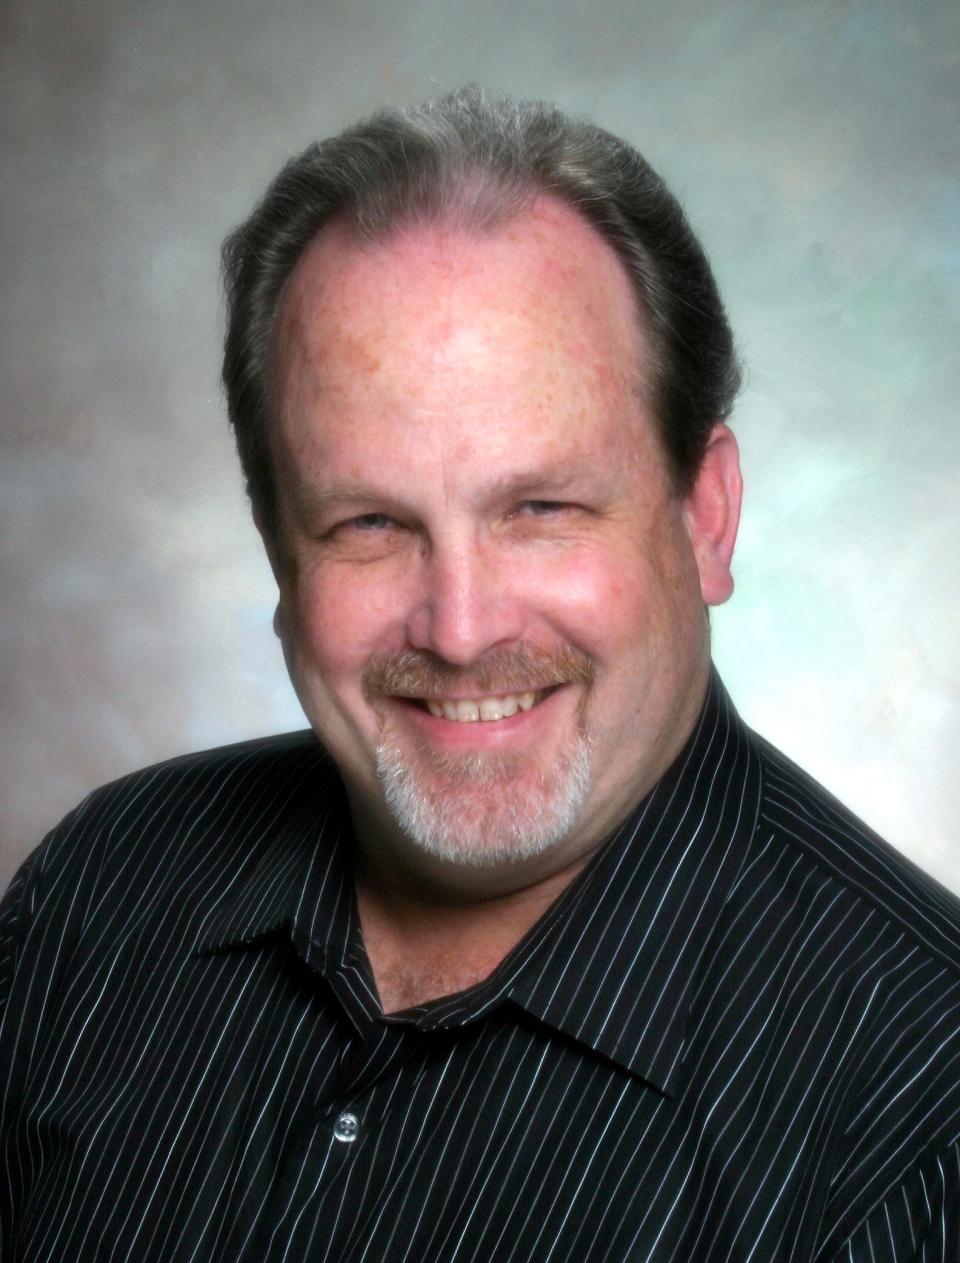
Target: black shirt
x=733 y=1037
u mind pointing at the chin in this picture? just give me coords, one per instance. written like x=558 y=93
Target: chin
x=482 y=811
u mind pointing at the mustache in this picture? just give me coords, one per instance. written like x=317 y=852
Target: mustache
x=419 y=673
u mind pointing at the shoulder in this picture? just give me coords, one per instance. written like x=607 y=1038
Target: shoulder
x=883 y=940
x=805 y=816
x=189 y=790
x=219 y=807
x=208 y=771
x=182 y=788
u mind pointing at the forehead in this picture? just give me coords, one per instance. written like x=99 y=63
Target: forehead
x=554 y=263
x=524 y=330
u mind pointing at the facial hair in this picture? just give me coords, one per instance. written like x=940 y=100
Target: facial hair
x=485 y=809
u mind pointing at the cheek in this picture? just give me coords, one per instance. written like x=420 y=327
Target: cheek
x=626 y=600
x=340 y=619
x=596 y=600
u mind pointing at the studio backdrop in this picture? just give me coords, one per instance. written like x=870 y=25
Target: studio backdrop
x=815 y=148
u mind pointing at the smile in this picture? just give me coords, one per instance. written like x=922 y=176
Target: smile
x=482 y=709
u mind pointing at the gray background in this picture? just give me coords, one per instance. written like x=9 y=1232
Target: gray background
x=815 y=147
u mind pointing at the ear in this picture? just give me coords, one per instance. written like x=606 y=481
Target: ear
x=711 y=513
x=270 y=547
x=273 y=556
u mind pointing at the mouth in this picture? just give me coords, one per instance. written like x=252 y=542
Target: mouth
x=472 y=710
x=478 y=710
x=496 y=695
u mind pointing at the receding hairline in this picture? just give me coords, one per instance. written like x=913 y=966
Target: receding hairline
x=481 y=157
x=344 y=232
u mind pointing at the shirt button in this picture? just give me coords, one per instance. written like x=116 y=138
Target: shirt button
x=346 y=1127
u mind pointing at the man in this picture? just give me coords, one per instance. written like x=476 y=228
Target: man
x=538 y=953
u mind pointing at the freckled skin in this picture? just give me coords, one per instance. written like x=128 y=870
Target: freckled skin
x=433 y=391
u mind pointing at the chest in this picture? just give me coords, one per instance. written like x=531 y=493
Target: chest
x=249 y=1120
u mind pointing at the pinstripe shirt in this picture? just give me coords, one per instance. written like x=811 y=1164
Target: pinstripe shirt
x=734 y=1037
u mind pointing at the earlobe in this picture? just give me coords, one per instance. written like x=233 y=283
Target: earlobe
x=711 y=511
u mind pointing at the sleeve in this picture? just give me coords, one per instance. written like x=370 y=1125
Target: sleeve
x=14 y=918
x=23 y=905
x=917 y=1222
x=895 y=1187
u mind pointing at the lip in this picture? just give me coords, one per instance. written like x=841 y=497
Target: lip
x=490 y=734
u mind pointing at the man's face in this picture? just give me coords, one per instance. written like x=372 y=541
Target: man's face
x=490 y=599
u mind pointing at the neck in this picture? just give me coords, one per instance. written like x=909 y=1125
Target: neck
x=433 y=927
x=422 y=945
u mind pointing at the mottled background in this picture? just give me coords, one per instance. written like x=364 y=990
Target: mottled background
x=815 y=146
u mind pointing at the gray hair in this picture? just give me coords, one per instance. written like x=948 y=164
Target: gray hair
x=478 y=160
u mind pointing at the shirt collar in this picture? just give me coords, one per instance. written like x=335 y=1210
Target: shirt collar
x=612 y=964
x=296 y=877
x=615 y=962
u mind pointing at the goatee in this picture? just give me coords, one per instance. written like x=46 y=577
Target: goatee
x=484 y=810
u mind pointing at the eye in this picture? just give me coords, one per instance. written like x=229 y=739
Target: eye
x=365 y=537
x=543 y=508
x=367 y=522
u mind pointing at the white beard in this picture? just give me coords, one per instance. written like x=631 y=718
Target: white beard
x=483 y=810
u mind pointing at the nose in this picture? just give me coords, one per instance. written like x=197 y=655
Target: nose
x=465 y=605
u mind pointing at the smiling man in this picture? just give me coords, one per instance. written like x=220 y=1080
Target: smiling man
x=528 y=949
x=498 y=631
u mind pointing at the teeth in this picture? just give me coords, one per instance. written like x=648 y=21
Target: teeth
x=483 y=709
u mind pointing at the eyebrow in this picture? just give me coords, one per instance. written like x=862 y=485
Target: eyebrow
x=557 y=477
x=310 y=501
